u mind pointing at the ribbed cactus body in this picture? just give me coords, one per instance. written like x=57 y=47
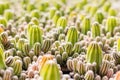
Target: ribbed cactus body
x=17 y=67
x=95 y=30
x=8 y=14
x=20 y=44
x=34 y=35
x=85 y=25
x=3 y=21
x=99 y=17
x=111 y=24
x=26 y=49
x=52 y=12
x=81 y=68
x=50 y=71
x=46 y=45
x=77 y=48
x=37 y=48
x=89 y=75
x=62 y=22
x=56 y=17
x=2 y=59
x=118 y=45
x=94 y=54
x=68 y=48
x=112 y=12
x=35 y=13
x=72 y=35
x=30 y=7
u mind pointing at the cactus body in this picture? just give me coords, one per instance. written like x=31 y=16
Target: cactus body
x=94 y=54
x=72 y=35
x=62 y=22
x=50 y=71
x=95 y=30
x=99 y=17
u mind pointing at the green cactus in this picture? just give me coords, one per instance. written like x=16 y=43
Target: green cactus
x=77 y=48
x=56 y=17
x=95 y=30
x=72 y=35
x=111 y=24
x=89 y=75
x=52 y=12
x=8 y=14
x=46 y=45
x=20 y=44
x=34 y=35
x=17 y=67
x=3 y=21
x=62 y=22
x=81 y=68
x=1 y=8
x=30 y=7
x=112 y=12
x=50 y=71
x=26 y=49
x=37 y=48
x=93 y=10
x=35 y=13
x=104 y=68
x=99 y=17
x=68 y=48
x=2 y=59
x=85 y=25
x=106 y=6
x=43 y=6
x=26 y=61
x=118 y=45
x=35 y=21
x=64 y=56
x=94 y=54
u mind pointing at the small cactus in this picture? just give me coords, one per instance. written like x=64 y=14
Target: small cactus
x=35 y=13
x=52 y=12
x=68 y=48
x=85 y=25
x=95 y=30
x=112 y=12
x=106 y=6
x=50 y=71
x=56 y=17
x=94 y=54
x=37 y=48
x=62 y=22
x=46 y=45
x=99 y=17
x=3 y=21
x=77 y=48
x=17 y=67
x=2 y=59
x=20 y=44
x=26 y=49
x=111 y=24
x=8 y=14
x=89 y=75
x=72 y=32
x=7 y=75
x=26 y=61
x=116 y=57
x=81 y=68
x=34 y=35
x=118 y=45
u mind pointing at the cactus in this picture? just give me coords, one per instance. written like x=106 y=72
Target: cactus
x=77 y=48
x=4 y=38
x=81 y=68
x=111 y=24
x=69 y=64
x=30 y=7
x=34 y=35
x=85 y=25
x=56 y=17
x=118 y=45
x=26 y=49
x=50 y=71
x=7 y=75
x=68 y=48
x=9 y=61
x=43 y=6
x=20 y=44
x=95 y=30
x=8 y=14
x=35 y=13
x=93 y=10
x=116 y=57
x=104 y=68
x=112 y=12
x=3 y=21
x=89 y=75
x=99 y=16
x=42 y=61
x=52 y=12
x=72 y=35
x=26 y=61
x=37 y=48
x=2 y=59
x=106 y=6
x=46 y=45
x=35 y=21
x=94 y=54
x=17 y=67
x=62 y=22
